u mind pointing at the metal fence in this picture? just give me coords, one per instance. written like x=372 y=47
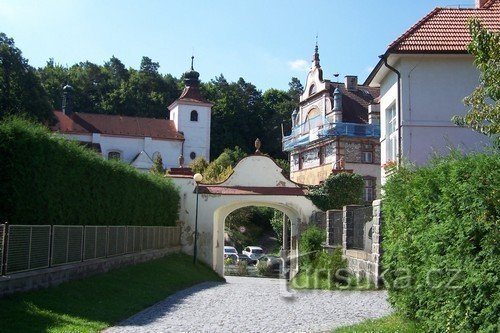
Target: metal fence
x=30 y=247
x=356 y=227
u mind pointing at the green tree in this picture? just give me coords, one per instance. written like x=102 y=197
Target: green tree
x=337 y=190
x=198 y=165
x=484 y=102
x=158 y=165
x=21 y=91
x=222 y=167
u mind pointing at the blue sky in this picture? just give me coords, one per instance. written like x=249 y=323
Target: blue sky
x=265 y=42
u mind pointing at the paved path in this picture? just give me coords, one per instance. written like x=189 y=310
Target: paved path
x=255 y=305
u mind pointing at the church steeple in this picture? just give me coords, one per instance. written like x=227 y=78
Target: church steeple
x=191 y=77
x=315 y=62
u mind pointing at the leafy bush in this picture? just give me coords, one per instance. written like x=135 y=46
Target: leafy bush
x=337 y=191
x=50 y=180
x=327 y=265
x=310 y=244
x=229 y=261
x=242 y=268
x=263 y=268
x=441 y=238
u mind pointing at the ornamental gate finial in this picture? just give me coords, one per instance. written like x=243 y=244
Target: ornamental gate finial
x=257 y=146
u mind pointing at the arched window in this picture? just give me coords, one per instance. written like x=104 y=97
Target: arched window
x=194 y=115
x=192 y=155
x=312 y=90
x=114 y=155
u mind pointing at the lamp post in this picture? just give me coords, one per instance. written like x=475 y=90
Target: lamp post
x=197 y=178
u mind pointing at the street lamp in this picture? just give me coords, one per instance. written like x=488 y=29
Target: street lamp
x=197 y=178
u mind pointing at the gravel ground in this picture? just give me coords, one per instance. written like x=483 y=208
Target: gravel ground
x=255 y=305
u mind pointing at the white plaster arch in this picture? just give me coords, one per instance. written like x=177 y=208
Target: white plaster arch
x=256 y=181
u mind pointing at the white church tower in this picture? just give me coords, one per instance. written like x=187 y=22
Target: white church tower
x=191 y=113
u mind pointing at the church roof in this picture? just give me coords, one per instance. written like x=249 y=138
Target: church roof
x=193 y=94
x=355 y=102
x=87 y=123
x=446 y=30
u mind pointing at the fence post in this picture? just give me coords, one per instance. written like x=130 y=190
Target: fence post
x=5 y=239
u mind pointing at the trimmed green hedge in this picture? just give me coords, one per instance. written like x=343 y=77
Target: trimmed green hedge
x=46 y=179
x=441 y=243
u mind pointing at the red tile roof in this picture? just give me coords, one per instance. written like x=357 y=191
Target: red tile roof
x=86 y=123
x=192 y=94
x=445 y=30
x=247 y=190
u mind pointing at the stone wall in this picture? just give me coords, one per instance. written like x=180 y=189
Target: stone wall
x=49 y=277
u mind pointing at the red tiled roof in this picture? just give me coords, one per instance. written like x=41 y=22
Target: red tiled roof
x=355 y=103
x=85 y=123
x=192 y=94
x=247 y=190
x=445 y=30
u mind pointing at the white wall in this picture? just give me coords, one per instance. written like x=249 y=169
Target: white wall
x=433 y=88
x=197 y=134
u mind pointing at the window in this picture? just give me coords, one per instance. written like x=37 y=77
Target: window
x=368 y=189
x=367 y=157
x=114 y=155
x=391 y=133
x=194 y=115
x=312 y=90
x=192 y=155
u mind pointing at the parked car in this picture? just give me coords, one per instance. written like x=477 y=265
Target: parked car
x=247 y=259
x=272 y=261
x=230 y=252
x=254 y=252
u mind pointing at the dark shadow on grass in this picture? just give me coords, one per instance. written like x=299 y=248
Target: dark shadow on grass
x=169 y=304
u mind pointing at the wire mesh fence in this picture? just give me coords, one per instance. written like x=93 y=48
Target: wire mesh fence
x=30 y=247
x=27 y=248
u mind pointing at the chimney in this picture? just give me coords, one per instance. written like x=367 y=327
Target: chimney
x=480 y=3
x=67 y=105
x=351 y=82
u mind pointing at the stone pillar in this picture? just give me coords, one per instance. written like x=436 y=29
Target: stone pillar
x=376 y=240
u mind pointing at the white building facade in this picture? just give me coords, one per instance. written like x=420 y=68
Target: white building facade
x=423 y=78
x=137 y=140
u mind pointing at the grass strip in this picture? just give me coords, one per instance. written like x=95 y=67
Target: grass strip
x=390 y=324
x=92 y=304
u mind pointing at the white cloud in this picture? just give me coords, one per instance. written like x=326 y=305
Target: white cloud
x=299 y=65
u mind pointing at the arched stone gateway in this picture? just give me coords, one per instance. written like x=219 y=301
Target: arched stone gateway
x=256 y=181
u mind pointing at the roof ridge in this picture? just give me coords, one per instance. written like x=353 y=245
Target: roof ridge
x=413 y=28
x=488 y=4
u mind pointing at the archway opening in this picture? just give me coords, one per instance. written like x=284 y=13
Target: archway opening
x=256 y=242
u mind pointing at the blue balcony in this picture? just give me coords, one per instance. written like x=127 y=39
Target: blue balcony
x=301 y=136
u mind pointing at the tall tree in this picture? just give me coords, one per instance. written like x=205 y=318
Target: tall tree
x=21 y=91
x=484 y=102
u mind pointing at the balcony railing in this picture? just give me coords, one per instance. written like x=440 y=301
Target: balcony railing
x=301 y=136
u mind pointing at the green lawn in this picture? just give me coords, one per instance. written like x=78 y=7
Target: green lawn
x=389 y=324
x=92 y=304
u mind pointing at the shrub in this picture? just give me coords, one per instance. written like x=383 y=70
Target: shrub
x=441 y=238
x=310 y=244
x=46 y=179
x=337 y=191
x=328 y=265
x=263 y=268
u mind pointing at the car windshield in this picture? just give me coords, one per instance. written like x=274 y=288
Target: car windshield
x=230 y=250
x=257 y=251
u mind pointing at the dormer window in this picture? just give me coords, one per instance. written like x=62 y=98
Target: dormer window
x=312 y=90
x=114 y=155
x=194 y=115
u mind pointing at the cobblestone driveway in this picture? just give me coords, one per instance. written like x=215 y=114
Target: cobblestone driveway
x=255 y=305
